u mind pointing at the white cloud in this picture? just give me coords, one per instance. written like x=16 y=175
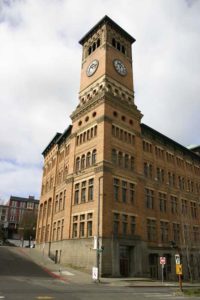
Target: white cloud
x=40 y=62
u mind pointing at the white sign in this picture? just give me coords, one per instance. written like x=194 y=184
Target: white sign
x=162 y=260
x=177 y=259
x=94 y=273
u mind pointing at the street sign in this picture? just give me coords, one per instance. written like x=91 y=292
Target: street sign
x=177 y=259
x=162 y=260
x=179 y=269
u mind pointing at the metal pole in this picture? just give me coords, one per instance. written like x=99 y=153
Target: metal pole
x=98 y=225
x=162 y=272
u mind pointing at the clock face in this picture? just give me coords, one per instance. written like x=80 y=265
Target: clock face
x=120 y=67
x=92 y=67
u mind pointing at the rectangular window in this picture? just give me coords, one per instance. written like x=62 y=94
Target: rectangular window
x=116 y=189
x=124 y=224
x=82 y=229
x=164 y=230
x=176 y=232
x=184 y=206
x=193 y=210
x=132 y=193
x=163 y=202
x=91 y=190
x=124 y=191
x=56 y=204
x=174 y=204
x=75 y=230
x=151 y=230
x=89 y=228
x=83 y=192
x=76 y=195
x=133 y=225
x=61 y=201
x=116 y=224
x=149 y=198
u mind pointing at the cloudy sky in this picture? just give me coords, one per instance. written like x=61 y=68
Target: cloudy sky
x=40 y=74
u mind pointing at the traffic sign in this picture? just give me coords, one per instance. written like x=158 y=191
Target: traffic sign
x=94 y=273
x=179 y=269
x=177 y=259
x=162 y=260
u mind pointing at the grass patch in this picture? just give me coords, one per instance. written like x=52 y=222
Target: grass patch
x=192 y=292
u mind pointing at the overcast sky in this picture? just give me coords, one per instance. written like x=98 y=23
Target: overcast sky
x=40 y=61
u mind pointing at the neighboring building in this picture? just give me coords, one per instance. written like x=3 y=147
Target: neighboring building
x=17 y=207
x=110 y=179
x=3 y=215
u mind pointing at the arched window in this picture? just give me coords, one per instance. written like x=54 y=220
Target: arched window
x=123 y=49
x=93 y=46
x=83 y=161
x=118 y=46
x=114 y=156
x=98 y=42
x=88 y=160
x=120 y=158
x=78 y=164
x=113 y=42
x=94 y=156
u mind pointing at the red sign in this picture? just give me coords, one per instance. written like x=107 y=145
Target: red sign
x=162 y=260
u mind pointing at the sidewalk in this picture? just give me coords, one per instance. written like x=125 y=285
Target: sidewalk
x=68 y=274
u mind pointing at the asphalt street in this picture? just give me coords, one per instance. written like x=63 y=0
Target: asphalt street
x=22 y=279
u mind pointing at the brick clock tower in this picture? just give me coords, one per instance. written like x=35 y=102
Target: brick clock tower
x=115 y=192
x=91 y=171
x=107 y=106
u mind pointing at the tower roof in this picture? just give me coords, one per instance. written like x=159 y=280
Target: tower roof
x=106 y=20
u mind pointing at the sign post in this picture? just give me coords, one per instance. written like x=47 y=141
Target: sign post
x=162 y=262
x=179 y=270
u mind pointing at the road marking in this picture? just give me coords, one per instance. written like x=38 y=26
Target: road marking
x=150 y=295
x=64 y=273
x=44 y=297
x=2 y=297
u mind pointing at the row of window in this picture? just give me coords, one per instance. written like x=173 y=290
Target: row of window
x=171 y=158
x=172 y=180
x=184 y=234
x=51 y=164
x=87 y=118
x=82 y=225
x=118 y=46
x=124 y=224
x=24 y=204
x=123 y=135
x=84 y=191
x=60 y=178
x=94 y=46
x=123 y=118
x=123 y=160
x=86 y=160
x=86 y=135
x=43 y=233
x=170 y=203
x=60 y=201
x=124 y=191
